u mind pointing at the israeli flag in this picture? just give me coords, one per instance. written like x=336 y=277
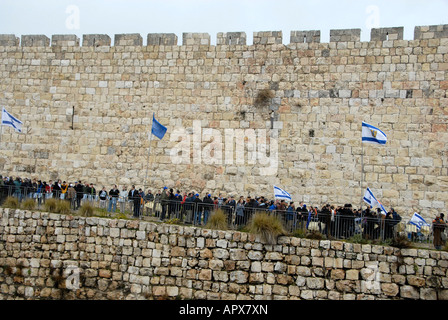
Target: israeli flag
x=157 y=128
x=371 y=134
x=10 y=121
x=281 y=194
x=370 y=199
x=418 y=221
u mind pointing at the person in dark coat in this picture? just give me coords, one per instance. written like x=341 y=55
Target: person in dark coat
x=438 y=225
x=197 y=210
x=79 y=188
x=134 y=196
x=208 y=206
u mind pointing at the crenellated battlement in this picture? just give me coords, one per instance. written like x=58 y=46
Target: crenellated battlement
x=86 y=102
x=223 y=38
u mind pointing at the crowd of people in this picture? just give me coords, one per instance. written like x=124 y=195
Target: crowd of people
x=190 y=207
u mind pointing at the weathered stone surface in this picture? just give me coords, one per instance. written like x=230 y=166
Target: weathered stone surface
x=120 y=263
x=307 y=83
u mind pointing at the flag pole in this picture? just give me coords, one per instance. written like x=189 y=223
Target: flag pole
x=362 y=174
x=149 y=153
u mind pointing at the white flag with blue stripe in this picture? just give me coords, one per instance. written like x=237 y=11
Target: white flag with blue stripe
x=371 y=134
x=281 y=194
x=9 y=120
x=418 y=221
x=372 y=201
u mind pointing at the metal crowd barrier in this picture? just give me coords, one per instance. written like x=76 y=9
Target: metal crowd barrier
x=197 y=213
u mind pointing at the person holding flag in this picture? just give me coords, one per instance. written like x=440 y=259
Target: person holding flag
x=281 y=194
x=370 y=199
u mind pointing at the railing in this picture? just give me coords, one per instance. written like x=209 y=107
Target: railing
x=197 y=213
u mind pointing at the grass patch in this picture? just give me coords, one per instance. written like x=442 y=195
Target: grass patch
x=217 y=221
x=358 y=238
x=51 y=205
x=173 y=221
x=268 y=227
x=314 y=235
x=299 y=233
x=63 y=207
x=401 y=241
x=87 y=209
x=29 y=204
x=11 y=202
x=121 y=216
x=57 y=206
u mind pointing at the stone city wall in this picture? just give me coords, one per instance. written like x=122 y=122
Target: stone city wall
x=52 y=256
x=87 y=109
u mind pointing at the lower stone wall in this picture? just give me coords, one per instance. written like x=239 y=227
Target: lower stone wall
x=52 y=256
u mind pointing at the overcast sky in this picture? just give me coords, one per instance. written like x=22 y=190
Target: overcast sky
x=212 y=16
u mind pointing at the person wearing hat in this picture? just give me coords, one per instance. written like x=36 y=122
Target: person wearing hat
x=189 y=205
x=197 y=210
x=208 y=206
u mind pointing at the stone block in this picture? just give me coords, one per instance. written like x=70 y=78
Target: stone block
x=430 y=32
x=267 y=37
x=9 y=40
x=384 y=34
x=345 y=35
x=129 y=39
x=390 y=289
x=161 y=39
x=231 y=38
x=39 y=40
x=198 y=39
x=409 y=292
x=95 y=40
x=64 y=40
x=305 y=36
x=352 y=274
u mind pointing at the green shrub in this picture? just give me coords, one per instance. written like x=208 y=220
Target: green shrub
x=358 y=238
x=217 y=221
x=299 y=233
x=11 y=202
x=314 y=235
x=63 y=207
x=173 y=221
x=268 y=227
x=100 y=212
x=86 y=209
x=121 y=216
x=29 y=204
x=51 y=205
